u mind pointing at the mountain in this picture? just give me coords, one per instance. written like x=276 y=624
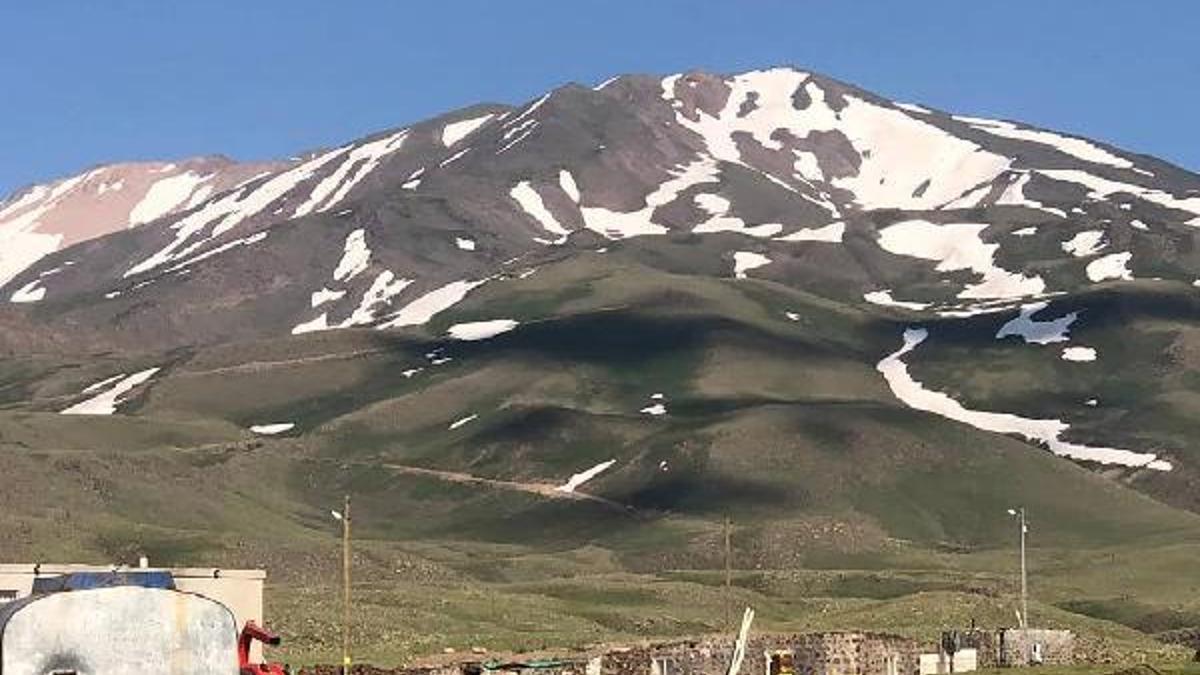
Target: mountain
x=548 y=348
x=44 y=218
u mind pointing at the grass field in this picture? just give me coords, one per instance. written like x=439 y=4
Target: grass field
x=848 y=510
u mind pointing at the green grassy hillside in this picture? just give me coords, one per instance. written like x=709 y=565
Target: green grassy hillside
x=848 y=509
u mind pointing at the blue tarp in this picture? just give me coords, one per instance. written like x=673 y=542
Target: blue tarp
x=80 y=581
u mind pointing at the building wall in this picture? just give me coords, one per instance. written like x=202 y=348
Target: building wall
x=986 y=644
x=940 y=663
x=811 y=654
x=1017 y=646
x=675 y=658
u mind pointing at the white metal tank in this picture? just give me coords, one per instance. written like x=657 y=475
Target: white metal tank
x=121 y=630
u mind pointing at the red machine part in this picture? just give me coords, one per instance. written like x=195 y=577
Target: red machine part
x=250 y=633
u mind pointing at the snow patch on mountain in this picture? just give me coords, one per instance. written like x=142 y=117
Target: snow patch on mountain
x=1100 y=188
x=356 y=256
x=234 y=243
x=30 y=292
x=626 y=224
x=884 y=297
x=525 y=114
x=420 y=311
x=414 y=179
x=1014 y=195
x=355 y=260
x=385 y=287
x=719 y=220
x=531 y=202
x=456 y=131
x=1037 y=332
x=106 y=402
x=576 y=480
x=958 y=246
x=1079 y=354
x=97 y=386
x=453 y=158
x=567 y=182
x=20 y=249
x=1111 y=266
x=744 y=261
x=481 y=330
x=461 y=422
x=230 y=210
x=518 y=134
x=1045 y=431
x=165 y=196
x=885 y=138
x=20 y=244
x=658 y=406
x=831 y=233
x=325 y=295
x=1076 y=147
x=202 y=193
x=519 y=128
x=272 y=429
x=106 y=187
x=313 y=325
x=355 y=166
x=1084 y=244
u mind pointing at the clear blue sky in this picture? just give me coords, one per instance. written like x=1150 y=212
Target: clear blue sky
x=86 y=82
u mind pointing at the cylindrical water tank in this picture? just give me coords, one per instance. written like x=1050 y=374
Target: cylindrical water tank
x=123 y=630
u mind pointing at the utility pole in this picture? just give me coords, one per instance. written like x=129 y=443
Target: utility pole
x=1024 y=573
x=344 y=517
x=1020 y=515
x=346 y=589
x=728 y=573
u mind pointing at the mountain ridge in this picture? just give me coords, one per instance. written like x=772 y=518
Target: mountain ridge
x=862 y=329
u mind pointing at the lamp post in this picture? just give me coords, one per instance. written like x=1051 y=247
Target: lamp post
x=1019 y=514
x=344 y=517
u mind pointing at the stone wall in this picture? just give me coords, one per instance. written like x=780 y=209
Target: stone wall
x=1018 y=646
x=855 y=654
x=812 y=654
x=693 y=657
x=986 y=644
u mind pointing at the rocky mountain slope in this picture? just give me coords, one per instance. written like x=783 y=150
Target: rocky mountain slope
x=41 y=219
x=863 y=328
